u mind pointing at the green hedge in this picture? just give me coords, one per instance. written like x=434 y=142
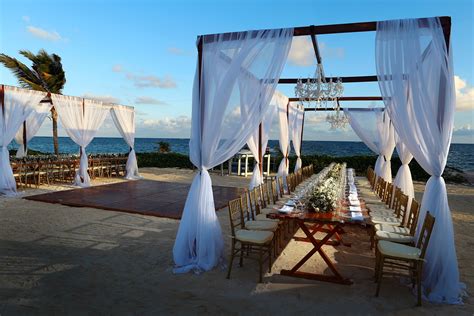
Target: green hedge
x=163 y=160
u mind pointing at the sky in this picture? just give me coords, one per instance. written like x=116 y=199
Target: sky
x=142 y=53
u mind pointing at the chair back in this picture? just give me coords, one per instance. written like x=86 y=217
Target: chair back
x=403 y=206
x=236 y=215
x=425 y=234
x=388 y=197
x=274 y=190
x=289 y=184
x=412 y=220
x=281 y=187
x=245 y=205
x=253 y=202
x=396 y=201
x=265 y=192
x=259 y=203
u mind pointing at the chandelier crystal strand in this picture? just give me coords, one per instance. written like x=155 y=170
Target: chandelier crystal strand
x=318 y=91
x=337 y=120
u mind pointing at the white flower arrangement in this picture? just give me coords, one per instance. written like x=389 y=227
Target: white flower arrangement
x=327 y=193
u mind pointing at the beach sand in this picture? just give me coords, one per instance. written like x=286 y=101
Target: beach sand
x=56 y=259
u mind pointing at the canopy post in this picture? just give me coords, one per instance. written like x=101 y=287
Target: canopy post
x=302 y=129
x=24 y=136
x=260 y=156
x=2 y=100
x=288 y=127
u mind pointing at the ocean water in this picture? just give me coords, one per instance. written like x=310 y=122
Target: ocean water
x=461 y=156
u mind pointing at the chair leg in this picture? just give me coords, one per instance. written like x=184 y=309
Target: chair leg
x=380 y=274
x=260 y=263
x=269 y=259
x=418 y=281
x=232 y=252
x=241 y=261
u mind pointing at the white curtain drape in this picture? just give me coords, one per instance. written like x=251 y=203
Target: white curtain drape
x=81 y=119
x=376 y=132
x=220 y=129
x=296 y=117
x=415 y=75
x=364 y=124
x=283 y=136
x=17 y=106
x=385 y=145
x=124 y=120
x=33 y=124
x=403 y=178
x=253 y=142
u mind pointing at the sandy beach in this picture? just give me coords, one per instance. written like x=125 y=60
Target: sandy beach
x=58 y=260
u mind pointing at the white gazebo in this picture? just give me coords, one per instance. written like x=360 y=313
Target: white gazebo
x=234 y=93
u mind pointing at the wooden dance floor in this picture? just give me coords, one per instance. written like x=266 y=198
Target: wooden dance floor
x=156 y=198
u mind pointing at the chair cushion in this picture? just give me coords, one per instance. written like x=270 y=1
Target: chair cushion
x=392 y=249
x=260 y=237
x=382 y=212
x=392 y=229
x=262 y=225
x=389 y=220
x=399 y=238
x=267 y=210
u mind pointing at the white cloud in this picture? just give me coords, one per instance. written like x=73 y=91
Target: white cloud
x=151 y=81
x=149 y=100
x=25 y=18
x=102 y=98
x=117 y=68
x=302 y=52
x=43 y=34
x=176 y=51
x=169 y=126
x=464 y=95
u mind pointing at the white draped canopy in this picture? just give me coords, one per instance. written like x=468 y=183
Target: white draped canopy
x=17 y=105
x=261 y=134
x=81 y=119
x=296 y=117
x=283 y=136
x=220 y=128
x=32 y=124
x=124 y=119
x=385 y=146
x=415 y=75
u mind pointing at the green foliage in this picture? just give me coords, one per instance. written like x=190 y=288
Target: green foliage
x=46 y=73
x=164 y=147
x=164 y=160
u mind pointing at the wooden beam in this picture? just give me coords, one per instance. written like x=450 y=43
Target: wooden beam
x=315 y=46
x=341 y=109
x=344 y=99
x=351 y=79
x=333 y=29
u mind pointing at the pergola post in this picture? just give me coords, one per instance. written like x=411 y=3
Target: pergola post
x=302 y=129
x=260 y=151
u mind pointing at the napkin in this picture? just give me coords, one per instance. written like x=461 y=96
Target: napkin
x=286 y=209
x=355 y=209
x=357 y=216
x=354 y=202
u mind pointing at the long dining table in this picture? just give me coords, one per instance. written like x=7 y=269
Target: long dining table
x=329 y=223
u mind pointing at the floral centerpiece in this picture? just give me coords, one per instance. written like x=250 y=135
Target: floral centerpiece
x=326 y=194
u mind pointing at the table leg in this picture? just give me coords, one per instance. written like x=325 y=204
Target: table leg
x=336 y=278
x=320 y=228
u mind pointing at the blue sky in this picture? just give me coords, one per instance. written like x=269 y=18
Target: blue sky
x=142 y=53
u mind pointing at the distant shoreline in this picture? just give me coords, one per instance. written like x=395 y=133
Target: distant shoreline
x=184 y=138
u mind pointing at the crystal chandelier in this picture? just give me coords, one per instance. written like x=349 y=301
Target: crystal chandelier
x=318 y=90
x=337 y=120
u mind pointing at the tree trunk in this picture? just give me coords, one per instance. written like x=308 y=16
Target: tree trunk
x=54 y=116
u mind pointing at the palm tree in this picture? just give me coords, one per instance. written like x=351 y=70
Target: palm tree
x=46 y=74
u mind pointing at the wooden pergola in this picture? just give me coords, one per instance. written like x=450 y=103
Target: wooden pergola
x=313 y=31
